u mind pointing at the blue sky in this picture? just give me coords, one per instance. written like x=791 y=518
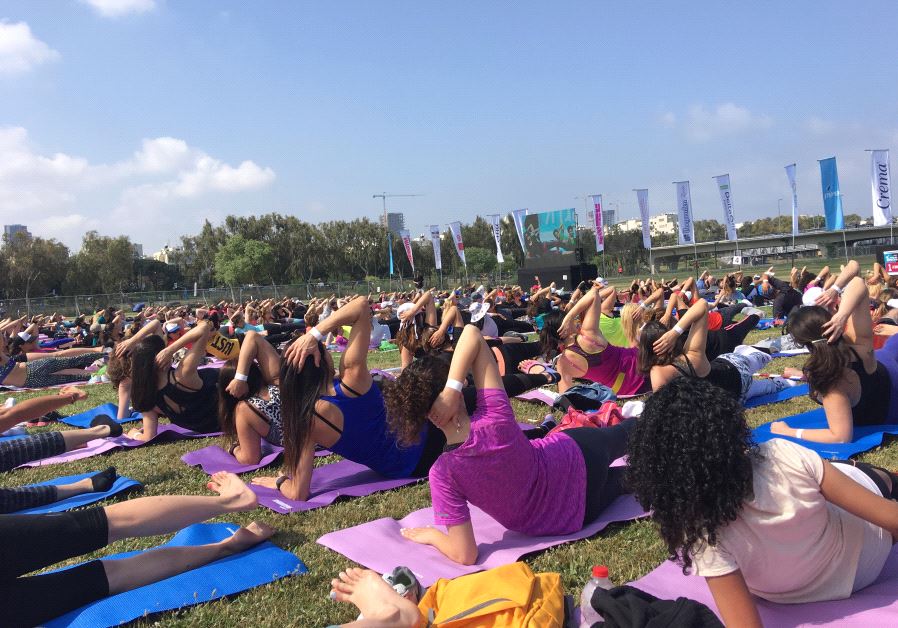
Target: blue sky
x=144 y=117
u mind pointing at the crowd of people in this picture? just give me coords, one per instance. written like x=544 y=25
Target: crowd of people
x=265 y=371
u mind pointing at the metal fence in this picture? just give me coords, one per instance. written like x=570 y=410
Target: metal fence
x=84 y=303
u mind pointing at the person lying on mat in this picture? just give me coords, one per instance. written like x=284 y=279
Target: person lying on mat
x=855 y=384
x=585 y=353
x=560 y=482
x=666 y=354
x=186 y=394
x=30 y=542
x=40 y=370
x=345 y=414
x=772 y=520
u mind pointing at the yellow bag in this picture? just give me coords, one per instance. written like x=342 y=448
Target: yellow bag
x=222 y=347
x=509 y=596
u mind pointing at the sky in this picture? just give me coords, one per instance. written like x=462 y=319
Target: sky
x=145 y=117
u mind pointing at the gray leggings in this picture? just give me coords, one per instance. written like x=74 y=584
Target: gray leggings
x=16 y=451
x=42 y=373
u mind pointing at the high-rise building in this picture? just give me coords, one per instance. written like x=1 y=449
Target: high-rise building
x=395 y=221
x=609 y=217
x=137 y=249
x=12 y=230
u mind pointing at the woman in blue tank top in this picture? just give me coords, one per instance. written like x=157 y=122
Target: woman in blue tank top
x=345 y=413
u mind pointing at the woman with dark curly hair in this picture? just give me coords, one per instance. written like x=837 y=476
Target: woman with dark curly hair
x=771 y=520
x=554 y=485
x=855 y=385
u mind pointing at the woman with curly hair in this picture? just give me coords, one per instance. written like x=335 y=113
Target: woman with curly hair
x=772 y=520
x=855 y=384
x=554 y=485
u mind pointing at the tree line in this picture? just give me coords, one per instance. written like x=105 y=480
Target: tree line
x=277 y=249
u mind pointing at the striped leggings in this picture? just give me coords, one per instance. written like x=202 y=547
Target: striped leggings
x=42 y=373
x=17 y=451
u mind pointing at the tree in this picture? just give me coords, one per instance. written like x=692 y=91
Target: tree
x=480 y=261
x=242 y=261
x=103 y=265
x=33 y=266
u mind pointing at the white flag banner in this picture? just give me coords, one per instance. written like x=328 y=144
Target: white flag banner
x=435 y=242
x=497 y=233
x=726 y=200
x=455 y=228
x=684 y=213
x=407 y=243
x=880 y=182
x=790 y=173
x=518 y=217
x=596 y=202
x=642 y=198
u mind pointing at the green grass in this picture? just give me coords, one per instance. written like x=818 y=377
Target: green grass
x=630 y=550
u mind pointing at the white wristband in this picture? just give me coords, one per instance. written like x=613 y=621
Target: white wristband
x=240 y=377
x=798 y=433
x=454 y=384
x=678 y=329
x=317 y=335
x=836 y=288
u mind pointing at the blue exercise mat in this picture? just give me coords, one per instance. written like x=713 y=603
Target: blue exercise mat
x=121 y=484
x=260 y=565
x=865 y=437
x=83 y=419
x=783 y=395
x=765 y=323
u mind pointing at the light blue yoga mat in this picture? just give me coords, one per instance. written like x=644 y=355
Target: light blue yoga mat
x=260 y=565
x=783 y=395
x=83 y=419
x=865 y=438
x=121 y=484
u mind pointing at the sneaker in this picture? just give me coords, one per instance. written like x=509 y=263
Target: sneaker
x=404 y=583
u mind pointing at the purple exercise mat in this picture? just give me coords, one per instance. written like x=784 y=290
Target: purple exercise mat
x=876 y=605
x=213 y=459
x=378 y=544
x=340 y=479
x=166 y=434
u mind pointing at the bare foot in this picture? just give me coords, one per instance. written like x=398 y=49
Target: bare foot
x=249 y=536
x=376 y=600
x=236 y=494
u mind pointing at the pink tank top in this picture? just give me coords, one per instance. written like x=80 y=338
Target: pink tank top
x=615 y=367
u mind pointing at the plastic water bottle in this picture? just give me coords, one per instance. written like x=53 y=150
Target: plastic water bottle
x=599 y=580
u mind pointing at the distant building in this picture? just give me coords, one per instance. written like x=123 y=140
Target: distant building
x=163 y=255
x=664 y=224
x=137 y=249
x=11 y=230
x=609 y=217
x=395 y=221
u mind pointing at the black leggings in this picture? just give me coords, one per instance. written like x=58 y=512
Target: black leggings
x=30 y=542
x=509 y=354
x=435 y=441
x=874 y=473
x=727 y=338
x=510 y=324
x=601 y=447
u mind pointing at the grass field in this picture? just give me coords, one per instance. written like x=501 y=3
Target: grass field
x=630 y=550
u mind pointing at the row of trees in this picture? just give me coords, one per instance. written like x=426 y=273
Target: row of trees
x=273 y=248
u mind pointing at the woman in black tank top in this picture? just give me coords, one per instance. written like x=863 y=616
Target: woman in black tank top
x=856 y=386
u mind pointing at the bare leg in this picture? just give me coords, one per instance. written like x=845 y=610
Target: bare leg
x=156 y=565
x=75 y=438
x=376 y=600
x=31 y=409
x=149 y=516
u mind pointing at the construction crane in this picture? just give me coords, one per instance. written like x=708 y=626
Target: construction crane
x=384 y=196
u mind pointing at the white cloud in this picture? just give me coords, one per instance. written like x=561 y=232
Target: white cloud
x=701 y=124
x=118 y=8
x=165 y=176
x=819 y=126
x=20 y=50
